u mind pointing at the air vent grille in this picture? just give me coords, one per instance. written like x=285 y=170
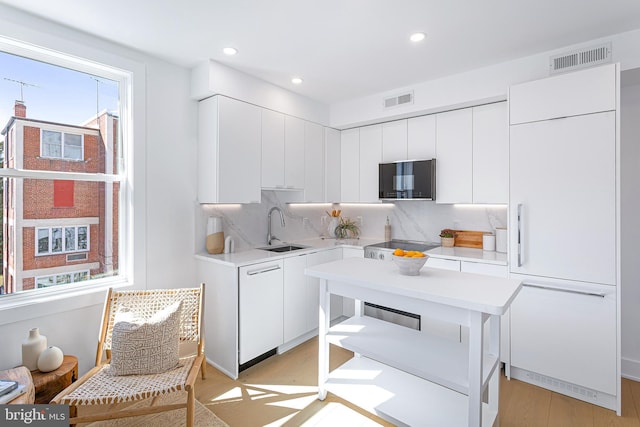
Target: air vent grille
x=582 y=58
x=395 y=101
x=77 y=257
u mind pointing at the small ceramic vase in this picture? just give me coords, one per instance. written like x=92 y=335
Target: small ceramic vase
x=32 y=347
x=50 y=359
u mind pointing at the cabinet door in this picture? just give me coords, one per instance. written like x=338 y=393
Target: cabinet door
x=563 y=180
x=229 y=151
x=566 y=335
x=332 y=164
x=272 y=149
x=298 y=298
x=490 y=154
x=261 y=307
x=370 y=158
x=581 y=92
x=394 y=141
x=293 y=153
x=313 y=162
x=444 y=264
x=454 y=156
x=421 y=137
x=350 y=165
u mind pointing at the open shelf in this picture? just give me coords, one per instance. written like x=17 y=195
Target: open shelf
x=384 y=390
x=435 y=359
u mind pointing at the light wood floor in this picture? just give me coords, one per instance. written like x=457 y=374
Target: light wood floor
x=281 y=391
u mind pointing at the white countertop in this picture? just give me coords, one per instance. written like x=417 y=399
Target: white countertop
x=475 y=292
x=469 y=254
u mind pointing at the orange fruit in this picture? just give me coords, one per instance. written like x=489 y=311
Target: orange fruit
x=398 y=252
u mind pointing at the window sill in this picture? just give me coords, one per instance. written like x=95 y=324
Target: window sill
x=51 y=301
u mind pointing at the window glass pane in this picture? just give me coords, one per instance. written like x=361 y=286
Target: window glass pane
x=69 y=239
x=63 y=279
x=44 y=282
x=80 y=276
x=43 y=240
x=82 y=238
x=51 y=144
x=72 y=146
x=56 y=240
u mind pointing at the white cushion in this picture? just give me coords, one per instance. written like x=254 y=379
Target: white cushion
x=145 y=346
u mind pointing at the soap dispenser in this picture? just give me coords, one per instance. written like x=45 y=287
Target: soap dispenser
x=387 y=231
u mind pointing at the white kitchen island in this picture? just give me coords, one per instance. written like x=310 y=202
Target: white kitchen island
x=404 y=375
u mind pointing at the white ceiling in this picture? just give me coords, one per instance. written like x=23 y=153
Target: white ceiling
x=343 y=48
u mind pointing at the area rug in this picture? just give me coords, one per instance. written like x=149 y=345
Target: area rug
x=177 y=418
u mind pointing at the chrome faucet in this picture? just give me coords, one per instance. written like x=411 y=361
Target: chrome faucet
x=271 y=237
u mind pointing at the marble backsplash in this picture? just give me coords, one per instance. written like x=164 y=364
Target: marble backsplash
x=410 y=220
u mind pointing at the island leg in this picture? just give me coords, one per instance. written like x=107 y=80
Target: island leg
x=323 y=344
x=475 y=368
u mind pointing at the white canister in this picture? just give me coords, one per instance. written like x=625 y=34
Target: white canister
x=501 y=239
x=32 y=347
x=488 y=242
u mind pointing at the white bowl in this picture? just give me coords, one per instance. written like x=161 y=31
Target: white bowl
x=409 y=266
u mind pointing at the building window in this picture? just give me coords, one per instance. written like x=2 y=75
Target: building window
x=61 y=145
x=57 y=240
x=93 y=233
x=62 y=279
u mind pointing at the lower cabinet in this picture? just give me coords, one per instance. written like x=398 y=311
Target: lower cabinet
x=260 y=318
x=566 y=334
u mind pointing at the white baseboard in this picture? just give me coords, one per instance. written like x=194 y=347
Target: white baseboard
x=631 y=369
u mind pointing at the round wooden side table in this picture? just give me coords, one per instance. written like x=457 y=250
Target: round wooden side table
x=49 y=384
x=22 y=375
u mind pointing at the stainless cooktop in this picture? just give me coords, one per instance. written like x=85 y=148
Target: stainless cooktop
x=407 y=245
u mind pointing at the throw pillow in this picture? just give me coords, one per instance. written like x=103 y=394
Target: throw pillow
x=140 y=347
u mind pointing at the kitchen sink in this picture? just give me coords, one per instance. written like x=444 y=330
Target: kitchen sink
x=283 y=248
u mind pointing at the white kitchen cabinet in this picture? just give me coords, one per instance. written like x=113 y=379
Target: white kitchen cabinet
x=490 y=154
x=496 y=270
x=298 y=299
x=454 y=155
x=370 y=157
x=260 y=309
x=350 y=165
x=421 y=137
x=332 y=164
x=229 y=151
x=294 y=145
x=443 y=263
x=567 y=335
x=314 y=169
x=272 y=149
x=562 y=181
x=394 y=141
x=587 y=91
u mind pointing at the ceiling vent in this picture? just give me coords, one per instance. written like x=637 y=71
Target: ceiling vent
x=395 y=101
x=578 y=59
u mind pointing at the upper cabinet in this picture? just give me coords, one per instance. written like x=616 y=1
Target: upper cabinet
x=294 y=144
x=283 y=145
x=421 y=138
x=472 y=152
x=229 y=151
x=350 y=165
x=454 y=156
x=370 y=157
x=394 y=141
x=490 y=154
x=592 y=90
x=314 y=158
x=332 y=168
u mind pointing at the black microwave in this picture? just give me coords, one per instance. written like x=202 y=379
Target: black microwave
x=412 y=179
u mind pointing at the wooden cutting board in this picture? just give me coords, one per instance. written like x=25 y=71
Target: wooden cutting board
x=469 y=239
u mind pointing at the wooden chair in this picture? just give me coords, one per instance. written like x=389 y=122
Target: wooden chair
x=97 y=387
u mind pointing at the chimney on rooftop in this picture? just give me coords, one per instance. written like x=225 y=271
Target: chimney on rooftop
x=20 y=110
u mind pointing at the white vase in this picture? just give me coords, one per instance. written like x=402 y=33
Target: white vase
x=32 y=347
x=50 y=359
x=332 y=226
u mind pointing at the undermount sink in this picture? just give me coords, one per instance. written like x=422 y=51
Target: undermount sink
x=283 y=248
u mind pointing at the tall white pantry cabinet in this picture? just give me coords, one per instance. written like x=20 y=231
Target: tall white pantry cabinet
x=564 y=211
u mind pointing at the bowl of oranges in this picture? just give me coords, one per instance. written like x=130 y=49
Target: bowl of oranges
x=409 y=262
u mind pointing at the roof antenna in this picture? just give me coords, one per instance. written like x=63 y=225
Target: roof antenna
x=98 y=81
x=22 y=85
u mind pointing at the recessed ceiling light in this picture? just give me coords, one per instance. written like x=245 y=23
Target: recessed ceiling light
x=417 y=37
x=296 y=80
x=230 y=50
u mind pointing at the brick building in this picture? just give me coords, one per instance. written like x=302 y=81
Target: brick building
x=59 y=231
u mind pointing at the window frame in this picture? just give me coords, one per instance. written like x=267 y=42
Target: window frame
x=64 y=239
x=131 y=75
x=55 y=276
x=63 y=145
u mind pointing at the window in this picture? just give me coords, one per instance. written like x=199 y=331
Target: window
x=59 y=145
x=56 y=240
x=62 y=279
x=63 y=149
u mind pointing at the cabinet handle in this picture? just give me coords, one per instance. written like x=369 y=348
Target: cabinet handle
x=263 y=270
x=520 y=237
x=570 y=291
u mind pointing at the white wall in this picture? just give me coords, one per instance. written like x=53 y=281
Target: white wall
x=164 y=189
x=473 y=87
x=630 y=226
